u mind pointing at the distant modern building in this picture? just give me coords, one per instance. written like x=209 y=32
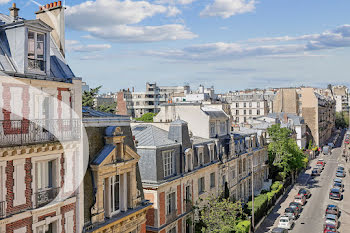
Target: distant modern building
x=341 y=96
x=85 y=87
x=318 y=110
x=202 y=94
x=135 y=104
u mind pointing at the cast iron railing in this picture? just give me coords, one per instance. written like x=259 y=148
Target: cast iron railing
x=44 y=197
x=170 y=217
x=22 y=132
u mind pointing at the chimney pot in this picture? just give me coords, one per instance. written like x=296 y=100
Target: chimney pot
x=14 y=11
x=14 y=5
x=59 y=3
x=55 y=4
x=47 y=6
x=51 y=5
x=40 y=8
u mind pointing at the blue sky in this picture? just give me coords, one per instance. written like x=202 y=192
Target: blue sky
x=231 y=44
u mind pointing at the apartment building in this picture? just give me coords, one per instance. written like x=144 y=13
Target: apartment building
x=317 y=110
x=176 y=172
x=341 y=96
x=200 y=95
x=113 y=195
x=39 y=126
x=135 y=104
x=245 y=107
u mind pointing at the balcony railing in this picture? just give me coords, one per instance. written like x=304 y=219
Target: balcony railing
x=35 y=64
x=2 y=209
x=44 y=197
x=188 y=206
x=22 y=132
x=171 y=216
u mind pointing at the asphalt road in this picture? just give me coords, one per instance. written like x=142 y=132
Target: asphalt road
x=312 y=217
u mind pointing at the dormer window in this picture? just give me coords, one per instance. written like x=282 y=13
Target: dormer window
x=36 y=51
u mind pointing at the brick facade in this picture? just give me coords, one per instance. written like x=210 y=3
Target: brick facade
x=179 y=226
x=162 y=208
x=27 y=222
x=64 y=210
x=179 y=200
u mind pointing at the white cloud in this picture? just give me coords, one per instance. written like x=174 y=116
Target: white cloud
x=125 y=33
x=173 y=11
x=4 y=1
x=306 y=46
x=175 y=2
x=228 y=8
x=115 y=20
x=76 y=46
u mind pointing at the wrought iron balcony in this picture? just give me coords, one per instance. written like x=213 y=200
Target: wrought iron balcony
x=23 y=132
x=2 y=209
x=35 y=64
x=188 y=205
x=44 y=197
x=170 y=217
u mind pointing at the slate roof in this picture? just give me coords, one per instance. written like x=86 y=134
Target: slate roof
x=60 y=70
x=214 y=113
x=150 y=135
x=199 y=140
x=89 y=112
x=102 y=155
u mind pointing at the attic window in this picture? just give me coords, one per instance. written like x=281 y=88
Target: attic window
x=36 y=54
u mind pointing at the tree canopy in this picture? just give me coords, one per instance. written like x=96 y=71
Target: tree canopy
x=284 y=152
x=342 y=119
x=89 y=96
x=147 y=117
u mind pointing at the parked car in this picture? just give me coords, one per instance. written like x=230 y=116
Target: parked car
x=300 y=199
x=341 y=167
x=326 y=150
x=331 y=145
x=329 y=228
x=321 y=162
x=290 y=212
x=338 y=180
x=340 y=173
x=320 y=167
x=296 y=205
x=305 y=192
x=279 y=230
x=335 y=193
x=331 y=219
x=286 y=222
x=316 y=172
x=338 y=185
x=332 y=209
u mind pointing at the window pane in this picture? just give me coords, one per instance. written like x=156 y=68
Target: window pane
x=31 y=42
x=116 y=193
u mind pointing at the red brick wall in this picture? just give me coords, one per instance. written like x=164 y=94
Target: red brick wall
x=179 y=200
x=26 y=222
x=65 y=209
x=62 y=171
x=122 y=110
x=10 y=184
x=179 y=226
x=143 y=228
x=150 y=212
x=162 y=231
x=52 y=214
x=161 y=208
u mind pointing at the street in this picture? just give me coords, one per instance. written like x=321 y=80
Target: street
x=311 y=218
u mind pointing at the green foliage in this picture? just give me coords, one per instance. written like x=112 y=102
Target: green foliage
x=284 y=153
x=221 y=215
x=342 y=119
x=89 y=96
x=110 y=108
x=276 y=185
x=243 y=227
x=147 y=117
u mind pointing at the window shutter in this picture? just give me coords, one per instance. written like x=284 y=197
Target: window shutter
x=19 y=183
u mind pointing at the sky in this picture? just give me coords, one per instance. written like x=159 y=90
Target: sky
x=228 y=44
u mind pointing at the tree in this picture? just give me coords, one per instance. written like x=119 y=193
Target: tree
x=341 y=119
x=284 y=153
x=110 y=108
x=221 y=215
x=89 y=96
x=147 y=117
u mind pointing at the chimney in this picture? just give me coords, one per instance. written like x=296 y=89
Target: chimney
x=14 y=11
x=285 y=117
x=53 y=15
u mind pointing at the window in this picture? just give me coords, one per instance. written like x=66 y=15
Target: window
x=237 y=112
x=114 y=193
x=19 y=182
x=233 y=171
x=69 y=222
x=212 y=128
x=258 y=112
x=237 y=105
x=168 y=163
x=245 y=119
x=245 y=112
x=36 y=51
x=250 y=112
x=211 y=153
x=188 y=193
x=45 y=175
x=201 y=187
x=223 y=127
x=245 y=105
x=223 y=180
x=258 y=104
x=250 y=104
x=189 y=162
x=212 y=180
x=172 y=230
x=171 y=203
x=200 y=159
